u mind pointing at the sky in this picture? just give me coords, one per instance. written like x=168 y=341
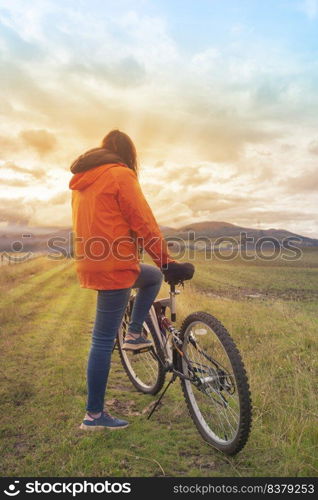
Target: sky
x=219 y=96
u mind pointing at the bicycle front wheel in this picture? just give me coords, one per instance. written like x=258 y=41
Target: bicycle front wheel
x=144 y=369
x=217 y=392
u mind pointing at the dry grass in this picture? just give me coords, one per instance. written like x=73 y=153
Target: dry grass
x=45 y=336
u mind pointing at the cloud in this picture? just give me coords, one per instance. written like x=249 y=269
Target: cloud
x=37 y=173
x=60 y=198
x=191 y=179
x=12 y=40
x=201 y=101
x=15 y=211
x=214 y=202
x=185 y=175
x=23 y=210
x=128 y=72
x=207 y=116
x=306 y=182
x=225 y=140
x=125 y=73
x=265 y=174
x=14 y=182
x=41 y=140
x=310 y=8
x=278 y=217
x=7 y=145
x=313 y=147
x=79 y=73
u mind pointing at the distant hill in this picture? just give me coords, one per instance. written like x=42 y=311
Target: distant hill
x=36 y=239
x=218 y=229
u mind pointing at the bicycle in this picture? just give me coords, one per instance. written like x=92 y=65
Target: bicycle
x=205 y=358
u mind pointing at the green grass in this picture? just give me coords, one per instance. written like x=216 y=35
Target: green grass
x=278 y=278
x=46 y=321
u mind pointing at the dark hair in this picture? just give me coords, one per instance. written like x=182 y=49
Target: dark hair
x=120 y=143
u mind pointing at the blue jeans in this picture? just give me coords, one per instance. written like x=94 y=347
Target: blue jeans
x=111 y=305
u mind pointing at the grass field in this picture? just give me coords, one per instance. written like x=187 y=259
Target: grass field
x=270 y=308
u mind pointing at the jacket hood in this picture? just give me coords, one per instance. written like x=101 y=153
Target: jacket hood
x=82 y=180
x=94 y=158
x=85 y=166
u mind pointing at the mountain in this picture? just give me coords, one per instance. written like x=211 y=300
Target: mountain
x=57 y=239
x=34 y=239
x=220 y=229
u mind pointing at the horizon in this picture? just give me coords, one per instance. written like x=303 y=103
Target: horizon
x=219 y=98
x=59 y=228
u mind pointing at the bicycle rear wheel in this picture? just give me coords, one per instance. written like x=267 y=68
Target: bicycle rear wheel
x=144 y=368
x=217 y=394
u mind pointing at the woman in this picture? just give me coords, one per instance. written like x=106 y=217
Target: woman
x=111 y=218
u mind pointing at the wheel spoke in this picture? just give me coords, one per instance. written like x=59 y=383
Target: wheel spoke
x=143 y=367
x=213 y=389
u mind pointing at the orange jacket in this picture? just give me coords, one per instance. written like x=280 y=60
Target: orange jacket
x=108 y=208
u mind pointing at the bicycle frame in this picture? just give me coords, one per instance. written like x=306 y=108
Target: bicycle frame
x=157 y=311
x=161 y=323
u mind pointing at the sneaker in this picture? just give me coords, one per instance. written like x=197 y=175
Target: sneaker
x=103 y=422
x=138 y=343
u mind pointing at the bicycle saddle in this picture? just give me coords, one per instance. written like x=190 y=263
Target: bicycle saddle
x=175 y=273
